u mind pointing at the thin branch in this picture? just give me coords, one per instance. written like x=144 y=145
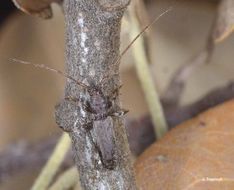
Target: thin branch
x=54 y=162
x=67 y=180
x=12 y=158
x=138 y=33
x=172 y=94
x=152 y=97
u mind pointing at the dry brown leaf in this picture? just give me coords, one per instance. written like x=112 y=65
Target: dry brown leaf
x=225 y=21
x=39 y=8
x=196 y=155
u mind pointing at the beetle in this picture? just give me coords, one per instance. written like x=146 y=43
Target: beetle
x=99 y=108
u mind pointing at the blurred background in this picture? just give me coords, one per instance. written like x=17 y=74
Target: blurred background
x=28 y=95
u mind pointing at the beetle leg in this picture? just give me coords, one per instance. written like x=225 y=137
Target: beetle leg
x=87 y=107
x=115 y=93
x=72 y=99
x=119 y=113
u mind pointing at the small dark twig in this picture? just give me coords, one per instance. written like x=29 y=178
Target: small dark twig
x=172 y=95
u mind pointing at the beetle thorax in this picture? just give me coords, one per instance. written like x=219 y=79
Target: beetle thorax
x=99 y=103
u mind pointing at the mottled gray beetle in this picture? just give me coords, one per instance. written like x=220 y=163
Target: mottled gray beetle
x=101 y=109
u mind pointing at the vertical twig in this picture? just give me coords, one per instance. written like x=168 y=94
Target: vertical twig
x=92 y=46
x=51 y=167
x=67 y=180
x=152 y=97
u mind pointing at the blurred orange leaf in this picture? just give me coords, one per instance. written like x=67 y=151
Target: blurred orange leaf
x=196 y=155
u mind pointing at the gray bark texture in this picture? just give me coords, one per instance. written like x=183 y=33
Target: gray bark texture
x=100 y=146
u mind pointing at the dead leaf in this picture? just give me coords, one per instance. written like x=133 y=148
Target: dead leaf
x=225 y=21
x=196 y=155
x=41 y=8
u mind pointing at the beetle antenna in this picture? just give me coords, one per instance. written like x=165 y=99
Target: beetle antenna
x=42 y=66
x=142 y=32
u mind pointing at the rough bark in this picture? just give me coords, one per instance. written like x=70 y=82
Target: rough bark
x=92 y=46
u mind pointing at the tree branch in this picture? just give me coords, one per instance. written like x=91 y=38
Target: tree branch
x=99 y=141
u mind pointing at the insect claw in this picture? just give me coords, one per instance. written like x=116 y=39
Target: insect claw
x=120 y=113
x=115 y=92
x=125 y=111
x=120 y=86
x=72 y=99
